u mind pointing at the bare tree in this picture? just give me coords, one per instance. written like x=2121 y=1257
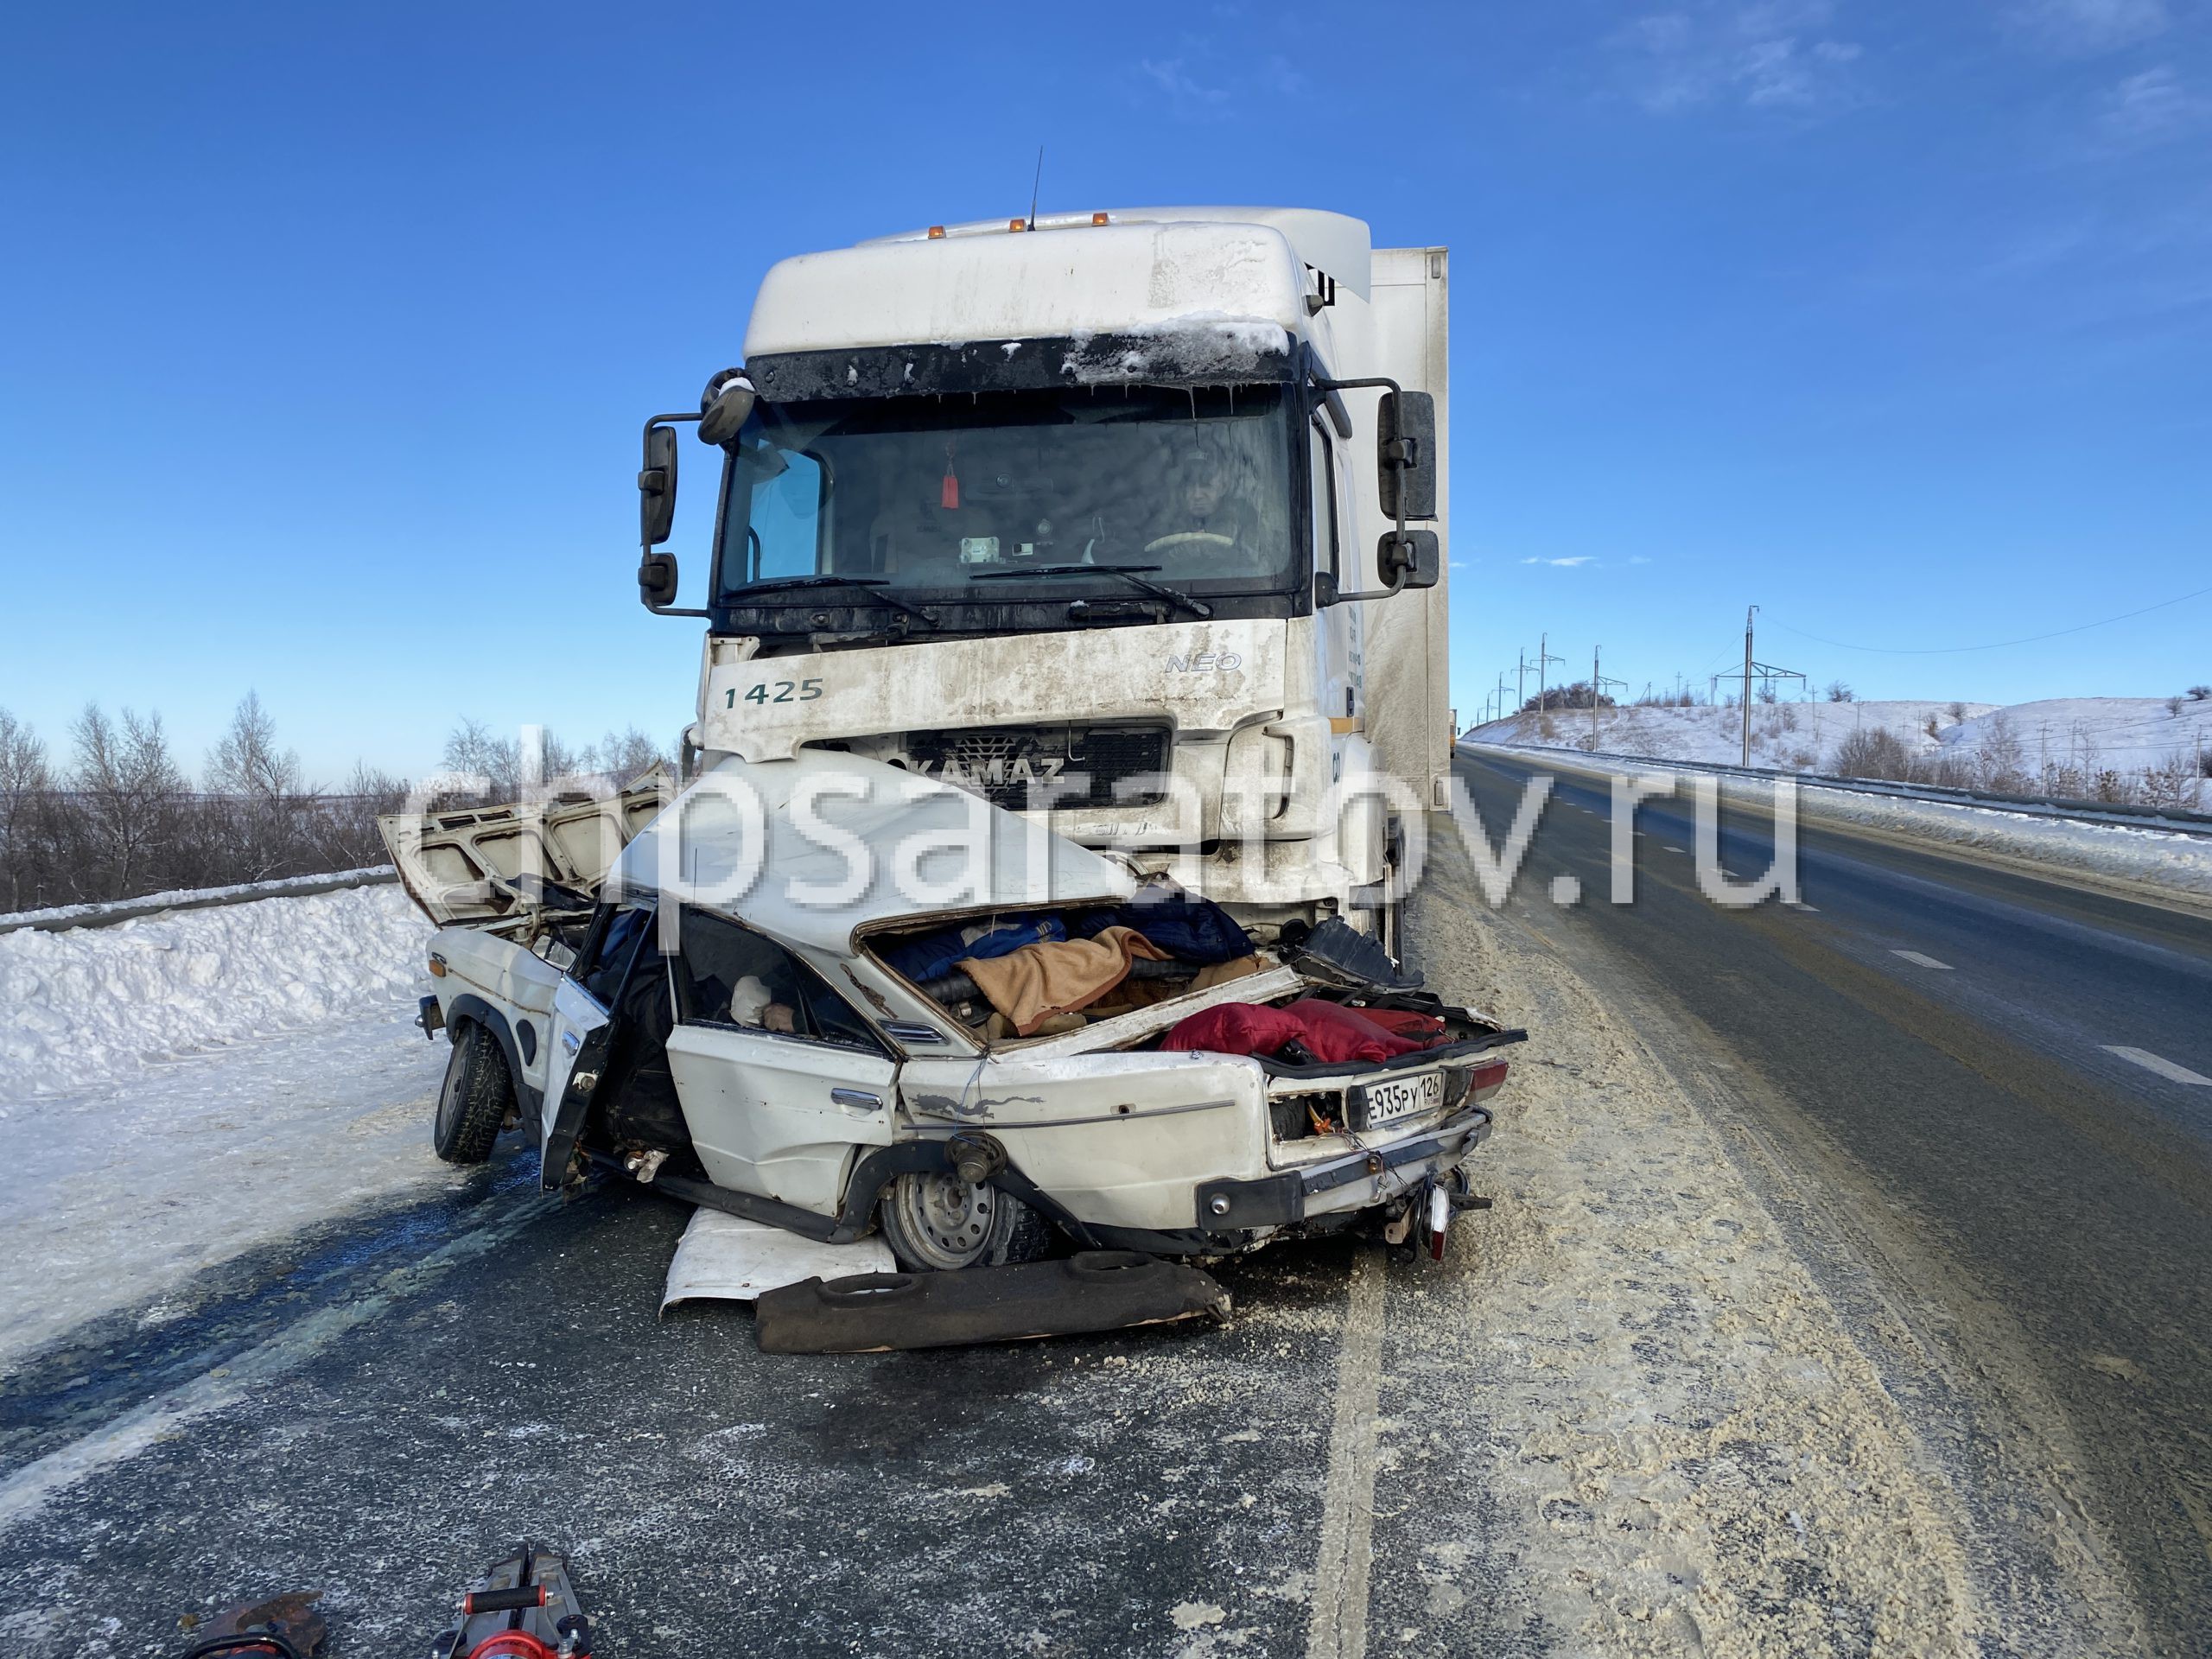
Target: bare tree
x=2200 y=694
x=345 y=825
x=1873 y=752
x=1957 y=711
x=622 y=755
x=128 y=782
x=246 y=761
x=266 y=804
x=470 y=748
x=1839 y=692
x=2004 y=757
x=25 y=786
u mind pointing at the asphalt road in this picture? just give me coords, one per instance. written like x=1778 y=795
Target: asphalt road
x=2012 y=1218
x=1918 y=1070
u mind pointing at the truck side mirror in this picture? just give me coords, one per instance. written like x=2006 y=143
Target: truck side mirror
x=657 y=487
x=1414 y=559
x=1405 y=454
x=656 y=578
x=726 y=407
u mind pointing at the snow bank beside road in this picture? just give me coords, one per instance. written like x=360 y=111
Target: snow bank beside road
x=1679 y=1445
x=2068 y=737
x=93 y=1006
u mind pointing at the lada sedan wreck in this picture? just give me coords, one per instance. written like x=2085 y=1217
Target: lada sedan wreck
x=836 y=997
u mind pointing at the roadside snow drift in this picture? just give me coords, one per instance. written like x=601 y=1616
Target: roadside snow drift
x=2069 y=740
x=95 y=1005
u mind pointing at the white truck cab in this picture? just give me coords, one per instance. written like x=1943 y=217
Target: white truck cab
x=1131 y=519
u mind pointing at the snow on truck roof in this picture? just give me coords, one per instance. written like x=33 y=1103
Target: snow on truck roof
x=811 y=849
x=1141 y=271
x=1333 y=243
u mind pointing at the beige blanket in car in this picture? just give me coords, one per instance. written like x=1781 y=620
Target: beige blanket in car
x=1039 y=981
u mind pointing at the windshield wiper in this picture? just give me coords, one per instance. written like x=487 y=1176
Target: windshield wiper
x=868 y=584
x=1128 y=573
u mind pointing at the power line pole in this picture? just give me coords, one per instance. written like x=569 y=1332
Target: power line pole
x=1595 y=682
x=1520 y=681
x=1544 y=658
x=1597 y=685
x=1746 y=711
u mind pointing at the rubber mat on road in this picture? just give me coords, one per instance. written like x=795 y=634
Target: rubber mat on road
x=874 y=1313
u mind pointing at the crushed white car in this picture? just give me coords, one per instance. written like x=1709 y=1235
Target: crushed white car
x=741 y=996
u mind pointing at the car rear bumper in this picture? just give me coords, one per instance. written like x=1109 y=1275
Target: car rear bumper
x=1355 y=1182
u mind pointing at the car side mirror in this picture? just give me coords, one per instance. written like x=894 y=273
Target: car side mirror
x=657 y=580
x=657 y=487
x=1414 y=559
x=1405 y=454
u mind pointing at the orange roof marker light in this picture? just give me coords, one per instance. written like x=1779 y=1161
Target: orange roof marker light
x=1017 y=224
x=1098 y=218
x=937 y=232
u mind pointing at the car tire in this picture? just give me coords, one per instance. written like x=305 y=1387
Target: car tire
x=474 y=1100
x=939 y=1224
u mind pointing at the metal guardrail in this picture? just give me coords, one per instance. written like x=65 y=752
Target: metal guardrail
x=130 y=910
x=2174 y=820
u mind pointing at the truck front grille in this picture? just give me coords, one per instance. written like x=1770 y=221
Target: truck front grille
x=1066 y=766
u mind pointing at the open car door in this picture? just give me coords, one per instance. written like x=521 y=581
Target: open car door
x=585 y=1027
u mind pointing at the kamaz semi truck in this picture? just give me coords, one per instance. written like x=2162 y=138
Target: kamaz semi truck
x=1131 y=519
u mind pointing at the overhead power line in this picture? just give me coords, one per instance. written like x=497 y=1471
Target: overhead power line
x=1952 y=651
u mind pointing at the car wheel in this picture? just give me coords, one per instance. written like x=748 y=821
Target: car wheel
x=474 y=1100
x=939 y=1224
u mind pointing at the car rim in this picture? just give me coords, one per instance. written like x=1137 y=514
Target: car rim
x=449 y=1101
x=948 y=1222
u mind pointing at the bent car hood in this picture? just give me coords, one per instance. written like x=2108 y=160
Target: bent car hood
x=476 y=866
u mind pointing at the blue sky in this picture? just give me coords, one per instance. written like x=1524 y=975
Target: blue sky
x=330 y=329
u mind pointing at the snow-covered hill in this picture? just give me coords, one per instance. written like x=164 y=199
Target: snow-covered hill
x=2069 y=746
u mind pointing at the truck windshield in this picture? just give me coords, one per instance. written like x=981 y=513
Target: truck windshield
x=922 y=495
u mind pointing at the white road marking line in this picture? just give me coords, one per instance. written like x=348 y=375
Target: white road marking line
x=1925 y=962
x=242 y=1377
x=2151 y=1062
x=1337 y=1628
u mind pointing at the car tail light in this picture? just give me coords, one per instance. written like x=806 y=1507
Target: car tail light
x=1485 y=1080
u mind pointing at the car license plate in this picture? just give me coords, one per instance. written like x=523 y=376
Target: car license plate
x=1401 y=1097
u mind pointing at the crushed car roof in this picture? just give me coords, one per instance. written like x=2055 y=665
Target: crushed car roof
x=812 y=849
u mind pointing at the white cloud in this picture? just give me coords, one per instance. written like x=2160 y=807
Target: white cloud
x=1183 y=89
x=1208 y=78
x=1774 y=56
x=2152 y=108
x=2083 y=27
x=1565 y=564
